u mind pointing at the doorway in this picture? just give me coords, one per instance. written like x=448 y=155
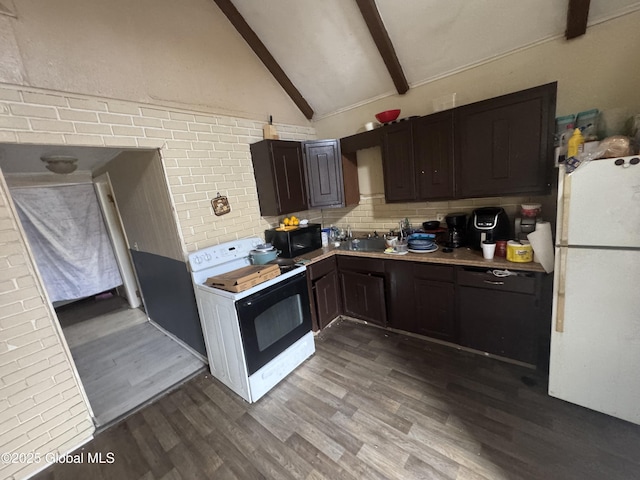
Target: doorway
x=123 y=358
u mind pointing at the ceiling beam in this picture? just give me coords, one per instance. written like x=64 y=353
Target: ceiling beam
x=381 y=38
x=577 y=16
x=263 y=54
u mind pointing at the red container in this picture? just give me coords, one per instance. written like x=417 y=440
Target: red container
x=501 y=248
x=387 y=116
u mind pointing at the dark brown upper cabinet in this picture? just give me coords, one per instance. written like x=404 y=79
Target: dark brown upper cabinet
x=501 y=146
x=280 y=180
x=504 y=146
x=417 y=158
x=433 y=156
x=323 y=169
x=296 y=176
x=397 y=162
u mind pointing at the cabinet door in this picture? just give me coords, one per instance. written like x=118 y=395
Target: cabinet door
x=504 y=146
x=326 y=292
x=421 y=299
x=498 y=322
x=288 y=176
x=433 y=155
x=363 y=297
x=397 y=163
x=323 y=167
x=401 y=301
x=434 y=315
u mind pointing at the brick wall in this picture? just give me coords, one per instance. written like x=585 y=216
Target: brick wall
x=373 y=214
x=202 y=153
x=41 y=406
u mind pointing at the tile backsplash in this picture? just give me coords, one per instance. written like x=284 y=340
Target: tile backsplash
x=373 y=214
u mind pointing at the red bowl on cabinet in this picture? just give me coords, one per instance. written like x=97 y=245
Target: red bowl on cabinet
x=387 y=116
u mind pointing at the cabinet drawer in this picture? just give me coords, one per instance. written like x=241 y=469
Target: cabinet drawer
x=433 y=272
x=360 y=264
x=321 y=268
x=522 y=283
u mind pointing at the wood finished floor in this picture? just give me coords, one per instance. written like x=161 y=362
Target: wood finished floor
x=123 y=360
x=370 y=404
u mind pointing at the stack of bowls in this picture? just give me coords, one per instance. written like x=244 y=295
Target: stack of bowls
x=421 y=242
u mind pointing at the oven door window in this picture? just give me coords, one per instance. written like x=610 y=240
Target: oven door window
x=273 y=319
x=277 y=321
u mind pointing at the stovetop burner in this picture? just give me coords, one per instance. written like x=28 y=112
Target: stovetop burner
x=288 y=268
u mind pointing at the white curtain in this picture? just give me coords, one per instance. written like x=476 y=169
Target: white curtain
x=69 y=240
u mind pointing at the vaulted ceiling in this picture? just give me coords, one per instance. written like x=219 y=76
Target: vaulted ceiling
x=333 y=55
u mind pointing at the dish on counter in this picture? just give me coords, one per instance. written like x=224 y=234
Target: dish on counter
x=393 y=251
x=421 y=245
x=432 y=249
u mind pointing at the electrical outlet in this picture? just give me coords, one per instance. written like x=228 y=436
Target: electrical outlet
x=440 y=216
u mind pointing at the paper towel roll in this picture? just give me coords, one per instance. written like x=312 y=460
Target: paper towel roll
x=542 y=244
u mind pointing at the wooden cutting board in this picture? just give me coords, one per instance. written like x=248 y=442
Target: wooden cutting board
x=243 y=278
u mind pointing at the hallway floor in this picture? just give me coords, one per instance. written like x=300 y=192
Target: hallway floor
x=124 y=361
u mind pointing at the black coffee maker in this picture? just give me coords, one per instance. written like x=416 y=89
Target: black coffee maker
x=457 y=223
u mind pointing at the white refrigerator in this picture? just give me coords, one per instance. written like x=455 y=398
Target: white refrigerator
x=595 y=335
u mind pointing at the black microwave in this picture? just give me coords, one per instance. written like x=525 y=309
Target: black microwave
x=298 y=241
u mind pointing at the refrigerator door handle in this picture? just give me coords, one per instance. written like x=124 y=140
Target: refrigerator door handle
x=562 y=274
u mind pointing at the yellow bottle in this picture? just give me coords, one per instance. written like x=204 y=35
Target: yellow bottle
x=575 y=143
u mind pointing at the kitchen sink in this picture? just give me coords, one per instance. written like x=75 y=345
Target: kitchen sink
x=364 y=245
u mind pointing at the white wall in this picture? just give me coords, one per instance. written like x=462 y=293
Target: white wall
x=158 y=52
x=598 y=70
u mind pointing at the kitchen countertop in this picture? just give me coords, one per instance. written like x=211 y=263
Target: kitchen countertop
x=459 y=256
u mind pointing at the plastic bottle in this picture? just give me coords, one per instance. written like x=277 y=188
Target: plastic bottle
x=575 y=143
x=566 y=135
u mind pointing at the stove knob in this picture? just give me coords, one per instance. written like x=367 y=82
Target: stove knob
x=197 y=260
x=207 y=257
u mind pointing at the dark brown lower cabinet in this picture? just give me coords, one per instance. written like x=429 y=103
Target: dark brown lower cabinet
x=363 y=297
x=435 y=309
x=324 y=286
x=363 y=288
x=327 y=297
x=500 y=315
x=422 y=299
x=467 y=306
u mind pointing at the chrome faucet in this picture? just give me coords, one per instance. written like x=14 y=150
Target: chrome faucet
x=349 y=235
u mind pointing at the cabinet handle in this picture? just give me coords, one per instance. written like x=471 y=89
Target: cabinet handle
x=490 y=282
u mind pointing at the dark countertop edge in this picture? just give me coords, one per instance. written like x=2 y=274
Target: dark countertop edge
x=464 y=257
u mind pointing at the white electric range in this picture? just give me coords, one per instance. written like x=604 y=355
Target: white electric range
x=256 y=337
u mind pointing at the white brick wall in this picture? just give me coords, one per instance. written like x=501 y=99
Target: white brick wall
x=203 y=154
x=374 y=214
x=41 y=407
